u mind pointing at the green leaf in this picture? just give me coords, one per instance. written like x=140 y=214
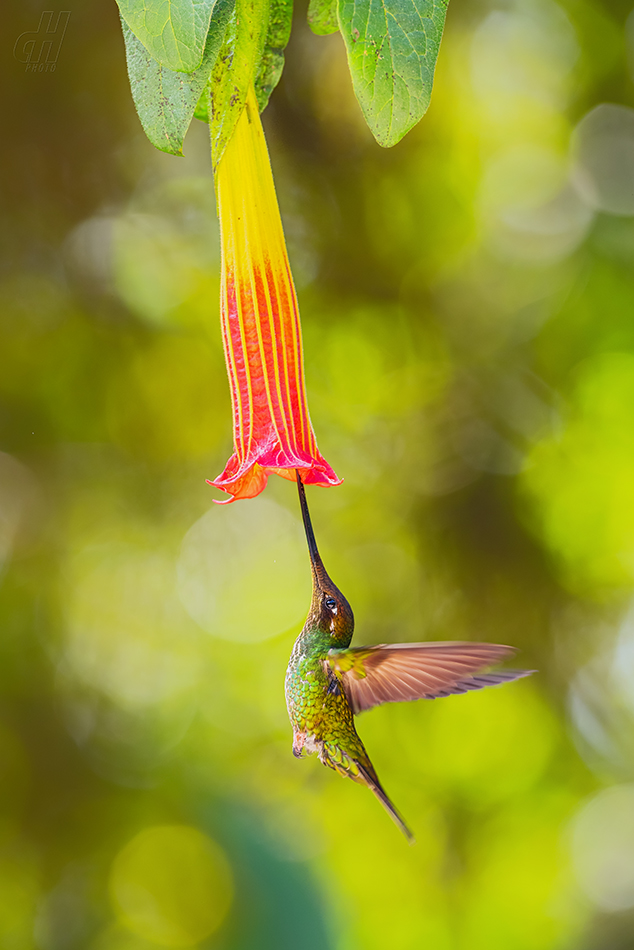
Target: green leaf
x=392 y=50
x=165 y=100
x=202 y=106
x=271 y=67
x=174 y=32
x=272 y=63
x=236 y=70
x=322 y=17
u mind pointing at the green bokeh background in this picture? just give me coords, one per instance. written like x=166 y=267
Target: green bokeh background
x=467 y=302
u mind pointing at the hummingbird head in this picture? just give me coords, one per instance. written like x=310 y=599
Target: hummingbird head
x=330 y=612
x=329 y=609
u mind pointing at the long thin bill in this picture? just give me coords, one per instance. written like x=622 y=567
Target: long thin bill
x=316 y=561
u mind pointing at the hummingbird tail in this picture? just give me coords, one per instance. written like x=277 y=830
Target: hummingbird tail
x=374 y=785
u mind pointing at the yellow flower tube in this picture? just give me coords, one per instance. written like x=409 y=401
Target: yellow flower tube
x=272 y=431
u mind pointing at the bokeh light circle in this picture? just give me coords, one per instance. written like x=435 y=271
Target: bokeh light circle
x=603 y=848
x=171 y=884
x=603 y=146
x=243 y=571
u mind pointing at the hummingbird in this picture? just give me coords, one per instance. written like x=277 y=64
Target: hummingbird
x=328 y=682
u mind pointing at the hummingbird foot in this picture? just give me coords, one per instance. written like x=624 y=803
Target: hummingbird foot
x=334 y=686
x=299 y=738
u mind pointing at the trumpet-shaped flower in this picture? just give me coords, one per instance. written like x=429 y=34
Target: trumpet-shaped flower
x=272 y=431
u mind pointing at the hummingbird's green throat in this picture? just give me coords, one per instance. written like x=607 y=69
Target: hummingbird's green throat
x=327 y=683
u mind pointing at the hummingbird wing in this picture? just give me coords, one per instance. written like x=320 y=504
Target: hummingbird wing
x=400 y=672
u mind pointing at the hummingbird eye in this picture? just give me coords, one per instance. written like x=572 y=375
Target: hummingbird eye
x=330 y=603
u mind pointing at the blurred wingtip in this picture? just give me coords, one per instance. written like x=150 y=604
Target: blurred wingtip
x=510 y=675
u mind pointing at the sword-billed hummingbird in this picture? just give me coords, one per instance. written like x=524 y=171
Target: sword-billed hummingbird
x=327 y=684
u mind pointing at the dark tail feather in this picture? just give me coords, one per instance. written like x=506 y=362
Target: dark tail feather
x=374 y=785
